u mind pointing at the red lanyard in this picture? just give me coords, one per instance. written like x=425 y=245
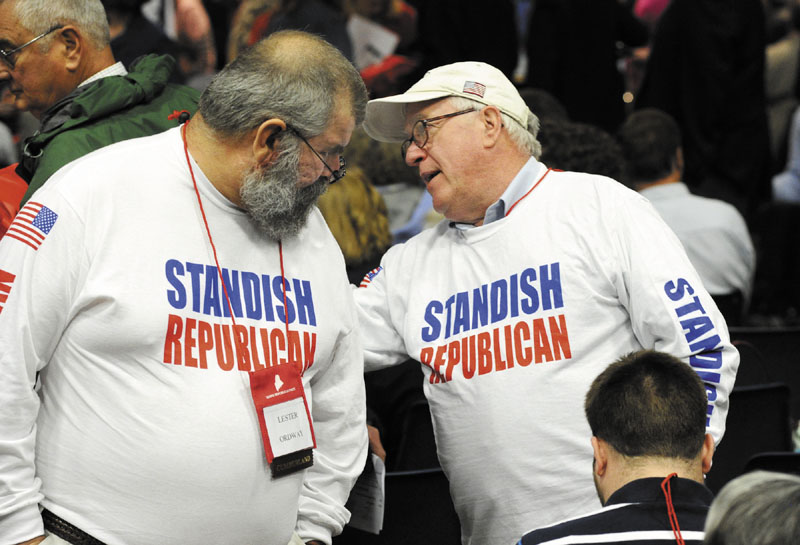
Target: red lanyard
x=529 y=191
x=214 y=248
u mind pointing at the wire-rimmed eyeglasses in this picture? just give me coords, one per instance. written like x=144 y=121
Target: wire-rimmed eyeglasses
x=7 y=56
x=419 y=132
x=337 y=174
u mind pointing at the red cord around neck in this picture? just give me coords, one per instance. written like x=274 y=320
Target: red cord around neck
x=673 y=517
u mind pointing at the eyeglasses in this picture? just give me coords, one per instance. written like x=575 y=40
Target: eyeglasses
x=337 y=174
x=7 y=55
x=419 y=132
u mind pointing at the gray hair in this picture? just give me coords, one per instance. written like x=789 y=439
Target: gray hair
x=39 y=16
x=523 y=137
x=761 y=507
x=290 y=75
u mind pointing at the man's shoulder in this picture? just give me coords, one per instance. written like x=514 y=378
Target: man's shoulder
x=595 y=523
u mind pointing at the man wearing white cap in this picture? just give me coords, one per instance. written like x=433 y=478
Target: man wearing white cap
x=535 y=281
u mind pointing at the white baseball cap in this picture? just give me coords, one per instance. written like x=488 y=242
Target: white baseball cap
x=385 y=119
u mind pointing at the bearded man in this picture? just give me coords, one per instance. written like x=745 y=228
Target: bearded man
x=190 y=324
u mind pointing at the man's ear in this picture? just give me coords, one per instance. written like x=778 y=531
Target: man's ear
x=71 y=42
x=492 y=124
x=600 y=450
x=265 y=141
x=707 y=453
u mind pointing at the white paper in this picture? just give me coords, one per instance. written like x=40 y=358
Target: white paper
x=371 y=42
x=288 y=427
x=367 y=498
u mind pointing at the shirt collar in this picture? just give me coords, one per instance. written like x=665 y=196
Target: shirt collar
x=518 y=187
x=116 y=69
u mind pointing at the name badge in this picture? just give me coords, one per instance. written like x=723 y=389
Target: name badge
x=283 y=416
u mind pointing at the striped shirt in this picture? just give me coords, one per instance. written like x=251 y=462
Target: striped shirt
x=636 y=514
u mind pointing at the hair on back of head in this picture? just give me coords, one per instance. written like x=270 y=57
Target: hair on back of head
x=649 y=403
x=39 y=16
x=650 y=139
x=290 y=75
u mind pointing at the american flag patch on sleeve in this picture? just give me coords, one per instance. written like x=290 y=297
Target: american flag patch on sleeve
x=369 y=276
x=32 y=224
x=474 y=88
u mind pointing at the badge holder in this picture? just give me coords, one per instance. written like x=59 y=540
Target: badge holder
x=284 y=418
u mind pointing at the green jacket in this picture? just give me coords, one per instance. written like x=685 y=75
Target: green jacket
x=106 y=111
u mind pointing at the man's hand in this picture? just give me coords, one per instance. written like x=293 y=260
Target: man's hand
x=375 y=442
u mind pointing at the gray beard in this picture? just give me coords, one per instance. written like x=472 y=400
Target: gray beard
x=272 y=199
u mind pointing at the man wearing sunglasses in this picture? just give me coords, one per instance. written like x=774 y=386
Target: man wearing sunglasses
x=533 y=282
x=189 y=317
x=55 y=57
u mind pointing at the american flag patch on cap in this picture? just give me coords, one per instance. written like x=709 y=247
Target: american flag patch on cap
x=32 y=224
x=369 y=276
x=474 y=88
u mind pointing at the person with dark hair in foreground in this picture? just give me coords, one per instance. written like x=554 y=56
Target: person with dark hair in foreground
x=647 y=412
x=191 y=324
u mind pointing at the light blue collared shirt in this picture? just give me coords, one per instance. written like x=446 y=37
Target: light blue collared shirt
x=519 y=186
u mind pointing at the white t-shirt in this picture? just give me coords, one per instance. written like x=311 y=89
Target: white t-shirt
x=514 y=319
x=146 y=431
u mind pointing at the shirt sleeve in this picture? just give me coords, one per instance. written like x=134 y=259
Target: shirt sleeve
x=41 y=259
x=381 y=315
x=669 y=308
x=338 y=408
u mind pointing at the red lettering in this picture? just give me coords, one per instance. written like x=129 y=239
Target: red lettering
x=524 y=353
x=499 y=364
x=484 y=353
x=242 y=352
x=206 y=342
x=426 y=356
x=541 y=344
x=453 y=357
x=560 y=336
x=468 y=363
x=310 y=344
x=172 y=344
x=436 y=375
x=222 y=337
x=189 y=342
x=254 y=350
x=276 y=338
x=509 y=346
x=265 y=345
x=295 y=357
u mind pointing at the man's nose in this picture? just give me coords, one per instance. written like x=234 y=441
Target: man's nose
x=414 y=154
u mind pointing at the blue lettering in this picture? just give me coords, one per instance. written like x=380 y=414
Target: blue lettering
x=480 y=307
x=304 y=302
x=176 y=297
x=212 y=304
x=432 y=333
x=514 y=299
x=696 y=327
x=707 y=360
x=252 y=297
x=195 y=271
x=525 y=279
x=268 y=314
x=461 y=321
x=551 y=286
x=231 y=279
x=448 y=315
x=499 y=300
x=277 y=288
x=676 y=292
